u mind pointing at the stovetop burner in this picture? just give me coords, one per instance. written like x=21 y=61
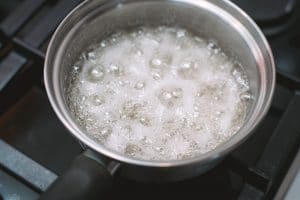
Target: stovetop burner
x=32 y=156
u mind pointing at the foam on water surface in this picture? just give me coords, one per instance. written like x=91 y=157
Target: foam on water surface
x=158 y=94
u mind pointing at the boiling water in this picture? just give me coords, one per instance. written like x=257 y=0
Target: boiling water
x=158 y=94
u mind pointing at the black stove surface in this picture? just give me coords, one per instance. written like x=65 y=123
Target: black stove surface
x=35 y=147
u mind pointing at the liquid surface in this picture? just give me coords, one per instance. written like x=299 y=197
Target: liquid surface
x=158 y=94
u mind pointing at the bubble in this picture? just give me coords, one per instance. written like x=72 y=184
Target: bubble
x=158 y=149
x=108 y=116
x=197 y=108
x=166 y=98
x=187 y=70
x=95 y=74
x=212 y=91
x=177 y=93
x=146 y=140
x=102 y=133
x=199 y=94
x=209 y=146
x=110 y=91
x=115 y=70
x=246 y=96
x=115 y=37
x=236 y=70
x=198 y=128
x=106 y=131
x=81 y=82
x=127 y=131
x=137 y=105
x=90 y=119
x=140 y=85
x=135 y=50
x=135 y=34
x=155 y=39
x=238 y=73
x=157 y=76
x=186 y=155
x=82 y=98
x=166 y=95
x=220 y=61
x=213 y=47
x=217 y=98
x=76 y=68
x=145 y=121
x=219 y=113
x=97 y=100
x=113 y=40
x=155 y=62
x=103 y=44
x=160 y=61
x=198 y=39
x=122 y=83
x=132 y=149
x=194 y=145
x=123 y=116
x=180 y=33
x=91 y=56
x=139 y=52
x=130 y=110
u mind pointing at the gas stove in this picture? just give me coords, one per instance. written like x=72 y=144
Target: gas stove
x=35 y=148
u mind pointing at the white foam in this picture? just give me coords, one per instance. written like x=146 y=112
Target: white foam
x=159 y=94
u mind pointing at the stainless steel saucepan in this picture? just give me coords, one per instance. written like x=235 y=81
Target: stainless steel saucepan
x=93 y=20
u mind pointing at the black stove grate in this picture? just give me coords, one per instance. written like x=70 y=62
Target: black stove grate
x=34 y=138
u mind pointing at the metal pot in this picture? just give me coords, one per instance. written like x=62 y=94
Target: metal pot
x=93 y=20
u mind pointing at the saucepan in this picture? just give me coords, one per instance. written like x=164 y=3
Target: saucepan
x=91 y=172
